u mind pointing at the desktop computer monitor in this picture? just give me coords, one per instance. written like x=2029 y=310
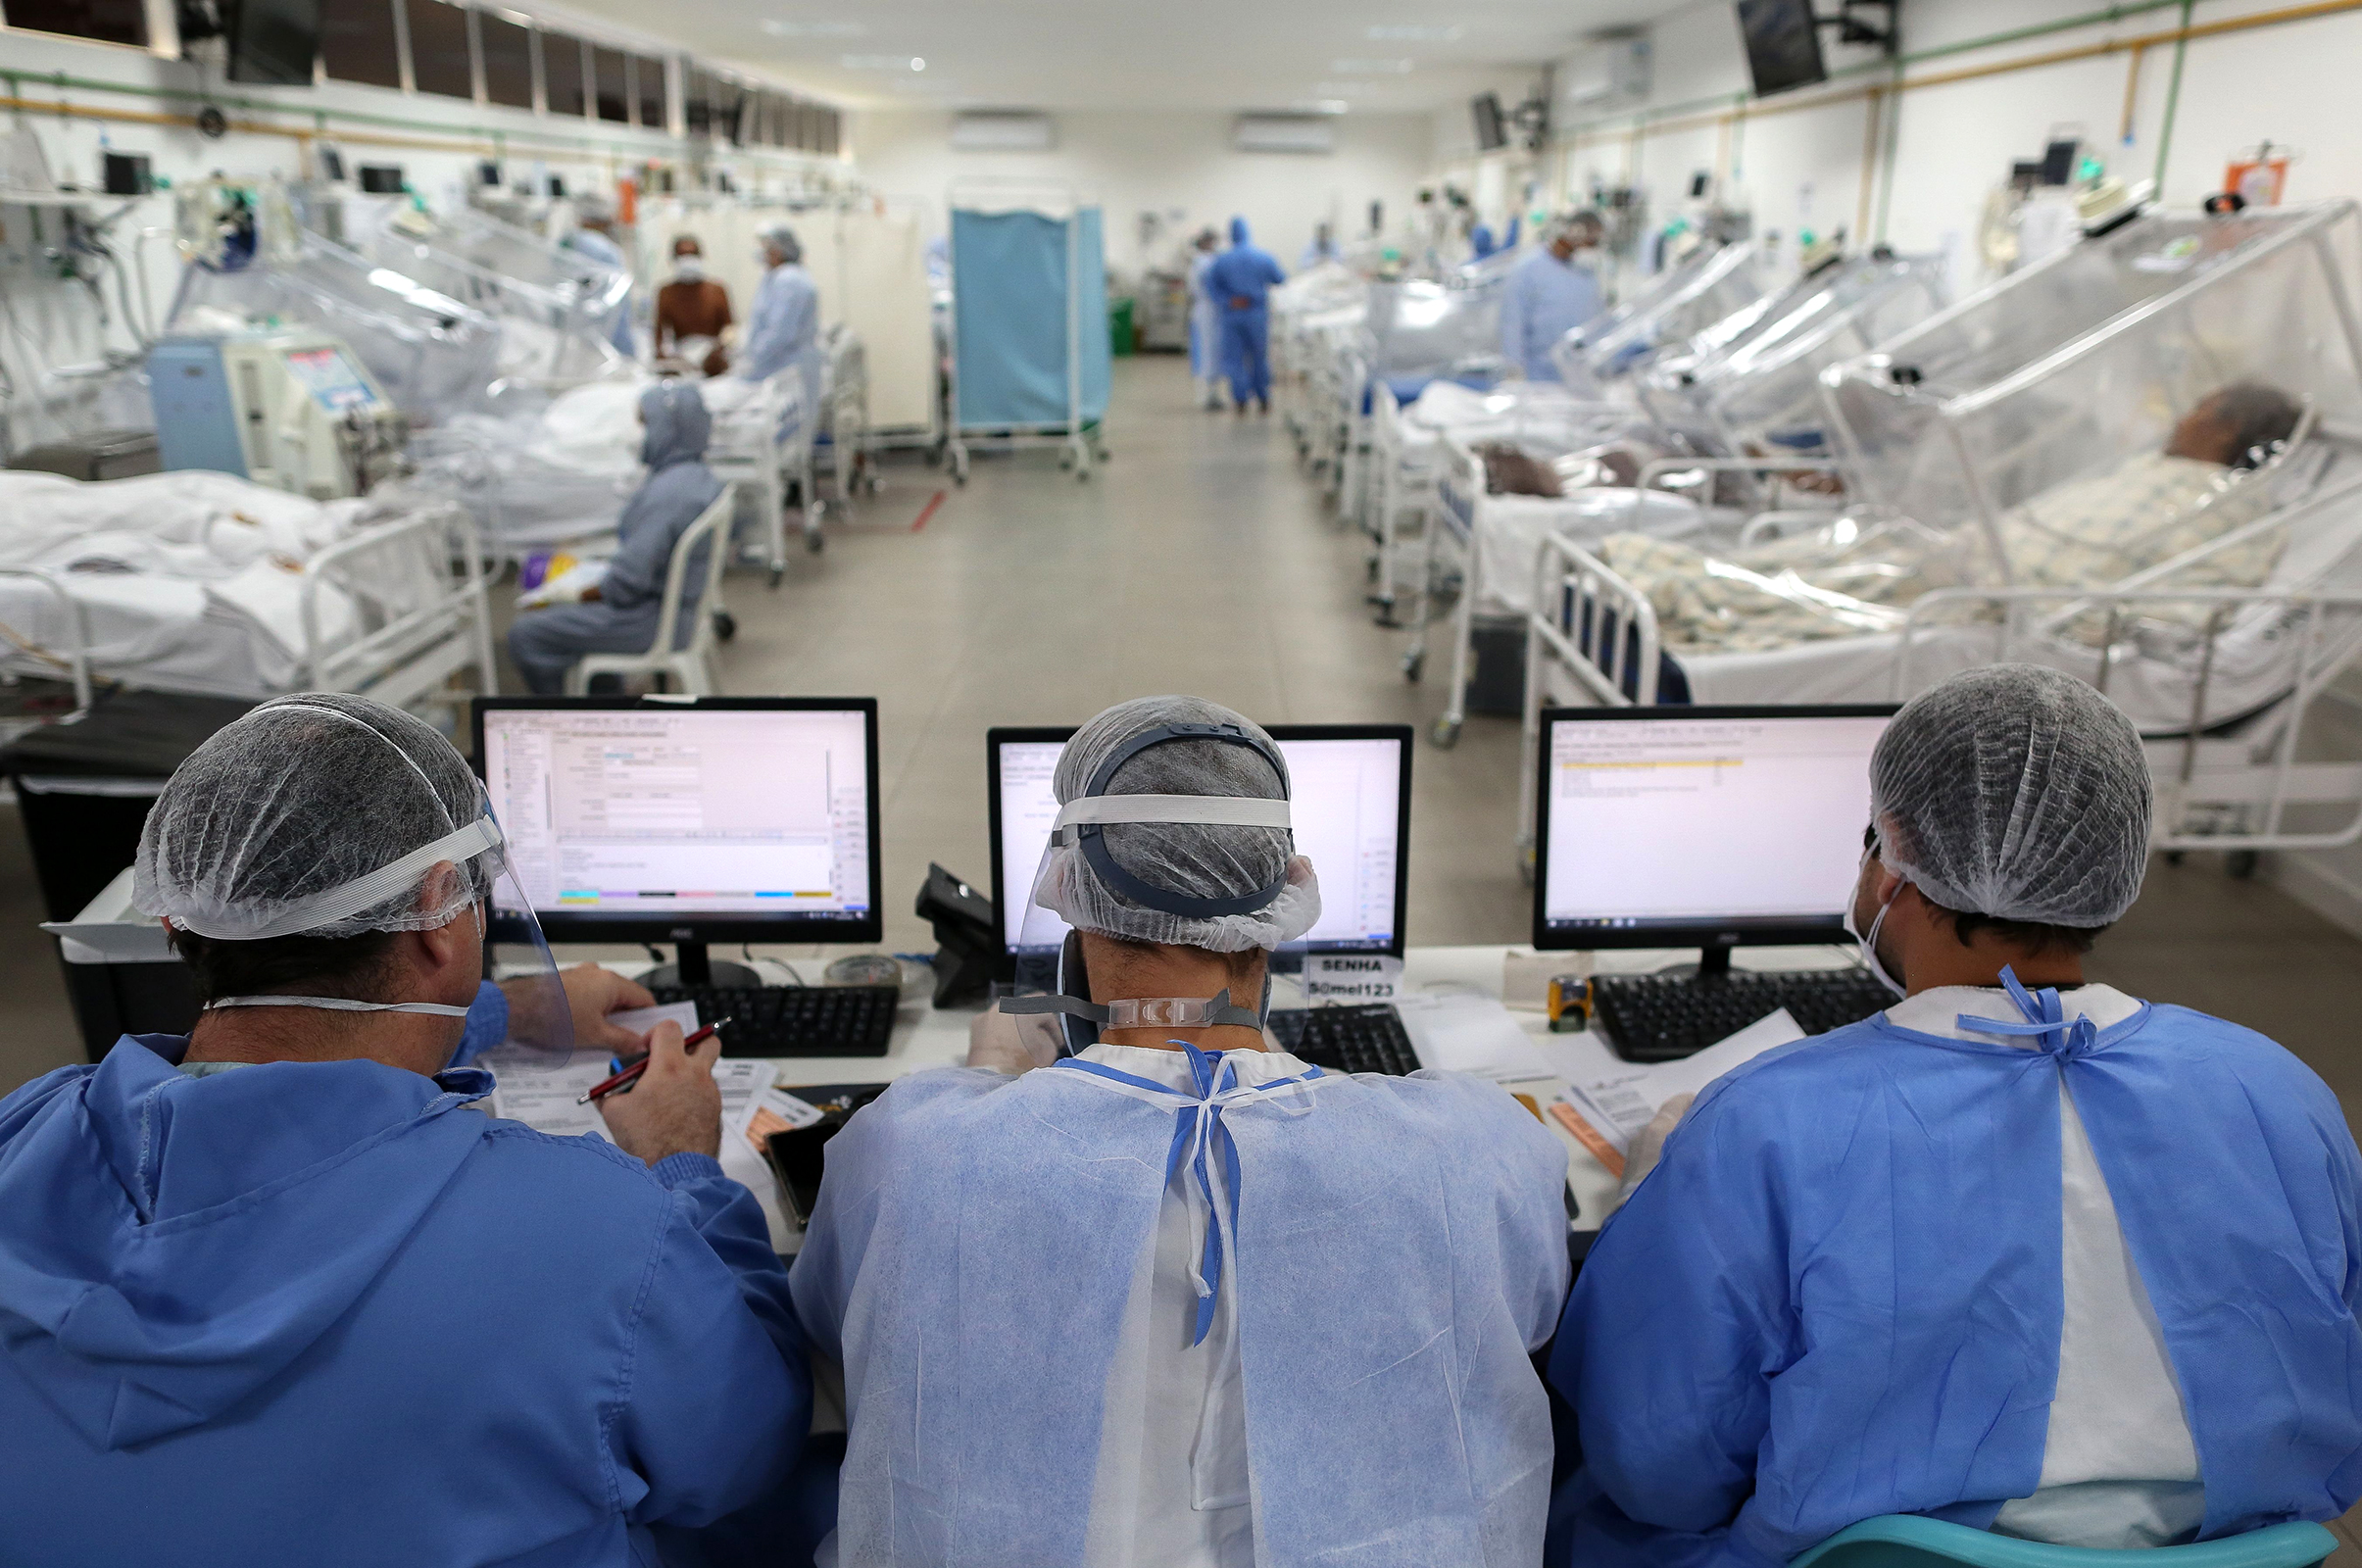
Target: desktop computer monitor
x=1352 y=788
x=689 y=821
x=1701 y=827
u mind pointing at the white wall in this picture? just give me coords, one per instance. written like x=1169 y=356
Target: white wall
x=1954 y=142
x=1169 y=161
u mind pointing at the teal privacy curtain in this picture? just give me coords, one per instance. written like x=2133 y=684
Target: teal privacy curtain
x=1009 y=283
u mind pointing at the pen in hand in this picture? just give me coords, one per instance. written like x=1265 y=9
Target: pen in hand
x=631 y=1075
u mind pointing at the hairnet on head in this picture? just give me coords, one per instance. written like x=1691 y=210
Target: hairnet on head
x=319 y=814
x=2018 y=792
x=780 y=237
x=1226 y=887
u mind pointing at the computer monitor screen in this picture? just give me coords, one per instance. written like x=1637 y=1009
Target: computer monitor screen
x=1352 y=788
x=1665 y=827
x=736 y=819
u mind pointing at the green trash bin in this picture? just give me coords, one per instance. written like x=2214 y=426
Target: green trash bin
x=1119 y=327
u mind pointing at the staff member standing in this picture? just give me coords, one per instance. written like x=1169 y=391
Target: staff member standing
x=783 y=328
x=1549 y=294
x=1241 y=281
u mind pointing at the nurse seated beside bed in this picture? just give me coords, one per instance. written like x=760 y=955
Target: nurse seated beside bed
x=2023 y=1253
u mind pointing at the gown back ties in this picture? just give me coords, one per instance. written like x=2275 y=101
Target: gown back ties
x=1198 y=1130
x=2046 y=1021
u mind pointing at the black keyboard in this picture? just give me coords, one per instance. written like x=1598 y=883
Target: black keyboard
x=1663 y=1017
x=1365 y=1037
x=795 y=1021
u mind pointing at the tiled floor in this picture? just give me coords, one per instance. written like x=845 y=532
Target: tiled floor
x=1200 y=561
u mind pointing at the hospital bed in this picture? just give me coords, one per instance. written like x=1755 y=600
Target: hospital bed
x=202 y=583
x=1676 y=305
x=2096 y=349
x=1682 y=303
x=1492 y=539
x=2224 y=682
x=1751 y=384
x=556 y=307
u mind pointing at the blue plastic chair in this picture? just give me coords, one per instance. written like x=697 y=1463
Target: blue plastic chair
x=1909 y=1540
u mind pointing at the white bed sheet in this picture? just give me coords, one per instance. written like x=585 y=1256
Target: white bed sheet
x=188 y=581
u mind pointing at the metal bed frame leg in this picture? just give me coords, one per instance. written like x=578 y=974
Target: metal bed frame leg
x=1447 y=731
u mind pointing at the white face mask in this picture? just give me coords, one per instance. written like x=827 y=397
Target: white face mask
x=688 y=269
x=1868 y=942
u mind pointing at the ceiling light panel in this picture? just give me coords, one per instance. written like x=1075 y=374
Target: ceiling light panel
x=1369 y=68
x=1413 y=33
x=779 y=28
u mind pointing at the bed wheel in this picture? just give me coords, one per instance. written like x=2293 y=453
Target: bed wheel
x=1414 y=665
x=1445 y=734
x=2240 y=863
x=725 y=625
x=2173 y=857
x=814 y=541
x=777 y=574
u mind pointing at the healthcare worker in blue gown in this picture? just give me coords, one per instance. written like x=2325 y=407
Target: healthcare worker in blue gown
x=1181 y=1298
x=783 y=324
x=274 y=1294
x=629 y=599
x=2023 y=1253
x=1241 y=281
x=594 y=236
x=1549 y=292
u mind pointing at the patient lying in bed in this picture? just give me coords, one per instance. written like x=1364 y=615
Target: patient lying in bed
x=2149 y=510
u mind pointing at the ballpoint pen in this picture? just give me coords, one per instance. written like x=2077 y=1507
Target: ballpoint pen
x=631 y=1075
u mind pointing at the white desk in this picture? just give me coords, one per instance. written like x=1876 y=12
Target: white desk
x=924 y=1037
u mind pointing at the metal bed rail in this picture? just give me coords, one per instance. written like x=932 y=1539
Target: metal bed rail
x=425 y=605
x=1601 y=631
x=2226 y=779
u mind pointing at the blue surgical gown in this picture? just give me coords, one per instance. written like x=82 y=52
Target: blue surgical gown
x=1395 y=1249
x=1241 y=281
x=1543 y=300
x=783 y=329
x=309 y=1312
x=1840 y=1294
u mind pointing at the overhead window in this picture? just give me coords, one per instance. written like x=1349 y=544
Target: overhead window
x=562 y=74
x=507 y=48
x=440 y=58
x=358 y=42
x=615 y=89
x=107 y=20
x=650 y=87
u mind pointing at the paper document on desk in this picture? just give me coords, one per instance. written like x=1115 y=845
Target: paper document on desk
x=639 y=1021
x=1621 y=1102
x=546 y=1096
x=1461 y=1031
x=543 y=1095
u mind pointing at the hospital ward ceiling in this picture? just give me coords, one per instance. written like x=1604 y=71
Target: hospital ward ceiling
x=1303 y=55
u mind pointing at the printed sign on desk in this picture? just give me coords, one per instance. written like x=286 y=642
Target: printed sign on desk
x=1351 y=977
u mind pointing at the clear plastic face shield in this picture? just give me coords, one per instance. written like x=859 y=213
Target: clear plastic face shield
x=499 y=920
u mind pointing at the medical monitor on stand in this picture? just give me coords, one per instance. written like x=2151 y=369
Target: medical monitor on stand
x=1701 y=827
x=1352 y=791
x=689 y=820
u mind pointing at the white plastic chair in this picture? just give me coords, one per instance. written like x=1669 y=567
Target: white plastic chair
x=691 y=666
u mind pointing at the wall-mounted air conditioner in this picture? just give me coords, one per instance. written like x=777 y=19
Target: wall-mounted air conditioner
x=1284 y=134
x=1004 y=130
x=1603 y=75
